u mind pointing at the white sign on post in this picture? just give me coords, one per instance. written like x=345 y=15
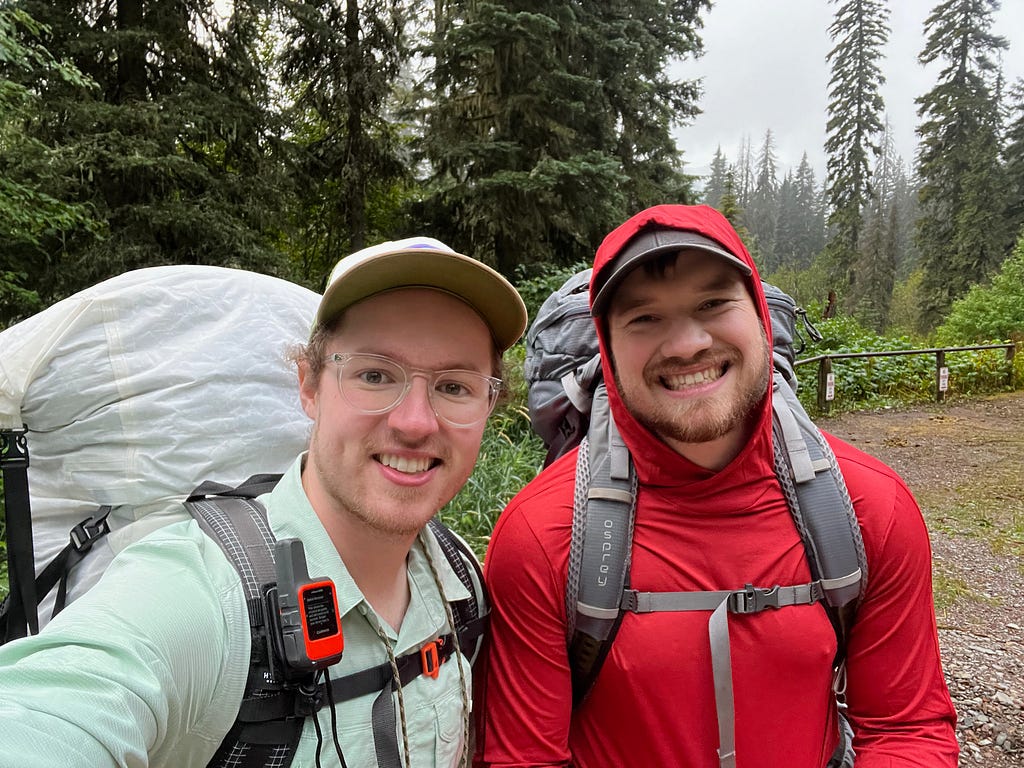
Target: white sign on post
x=830 y=386
x=943 y=379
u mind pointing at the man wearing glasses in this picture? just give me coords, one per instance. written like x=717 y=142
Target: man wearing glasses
x=398 y=377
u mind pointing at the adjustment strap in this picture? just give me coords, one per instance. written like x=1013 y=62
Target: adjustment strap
x=750 y=599
x=385 y=727
x=721 y=672
x=424 y=661
x=744 y=601
x=21 y=617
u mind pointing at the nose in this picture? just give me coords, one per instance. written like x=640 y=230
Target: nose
x=687 y=338
x=414 y=416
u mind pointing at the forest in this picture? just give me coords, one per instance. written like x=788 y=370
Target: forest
x=280 y=136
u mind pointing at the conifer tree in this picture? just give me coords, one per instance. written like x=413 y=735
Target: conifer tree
x=341 y=60
x=762 y=209
x=173 y=150
x=27 y=213
x=961 y=233
x=547 y=122
x=859 y=30
x=715 y=186
x=811 y=213
x=1014 y=156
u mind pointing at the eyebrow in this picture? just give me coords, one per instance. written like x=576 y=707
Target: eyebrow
x=721 y=282
x=448 y=366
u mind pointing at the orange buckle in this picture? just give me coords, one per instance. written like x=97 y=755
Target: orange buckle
x=430 y=660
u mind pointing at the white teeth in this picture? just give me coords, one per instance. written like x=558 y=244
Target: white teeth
x=402 y=464
x=692 y=379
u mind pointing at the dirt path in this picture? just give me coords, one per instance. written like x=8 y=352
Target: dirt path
x=965 y=463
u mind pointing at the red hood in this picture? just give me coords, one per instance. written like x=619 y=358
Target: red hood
x=657 y=464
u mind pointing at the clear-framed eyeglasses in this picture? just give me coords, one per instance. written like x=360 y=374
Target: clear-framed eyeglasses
x=377 y=384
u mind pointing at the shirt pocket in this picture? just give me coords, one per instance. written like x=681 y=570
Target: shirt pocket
x=448 y=732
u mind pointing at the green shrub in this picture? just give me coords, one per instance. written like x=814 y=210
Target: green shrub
x=994 y=311
x=510 y=455
x=872 y=382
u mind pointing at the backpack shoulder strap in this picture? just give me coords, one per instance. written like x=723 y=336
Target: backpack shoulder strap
x=821 y=507
x=470 y=614
x=238 y=523
x=604 y=506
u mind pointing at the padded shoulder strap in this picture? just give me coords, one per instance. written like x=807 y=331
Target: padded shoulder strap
x=604 y=507
x=820 y=502
x=470 y=614
x=240 y=527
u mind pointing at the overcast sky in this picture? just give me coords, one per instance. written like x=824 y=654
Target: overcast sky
x=764 y=67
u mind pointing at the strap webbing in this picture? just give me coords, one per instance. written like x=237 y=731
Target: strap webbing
x=383 y=720
x=721 y=603
x=721 y=672
x=22 y=604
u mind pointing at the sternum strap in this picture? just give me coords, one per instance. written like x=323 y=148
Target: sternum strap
x=750 y=599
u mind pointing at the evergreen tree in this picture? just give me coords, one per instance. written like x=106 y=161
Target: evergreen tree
x=715 y=187
x=743 y=173
x=731 y=209
x=810 y=211
x=1014 y=158
x=26 y=212
x=787 y=228
x=961 y=232
x=875 y=264
x=859 y=30
x=172 y=150
x=762 y=209
x=547 y=122
x=341 y=60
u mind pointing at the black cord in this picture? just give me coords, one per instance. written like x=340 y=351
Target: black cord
x=334 y=717
x=319 y=737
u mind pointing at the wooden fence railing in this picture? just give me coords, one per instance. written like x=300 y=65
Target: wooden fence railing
x=826 y=380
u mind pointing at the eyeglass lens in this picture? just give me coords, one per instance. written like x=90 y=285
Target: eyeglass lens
x=376 y=384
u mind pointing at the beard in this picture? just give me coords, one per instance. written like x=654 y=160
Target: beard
x=391 y=511
x=703 y=420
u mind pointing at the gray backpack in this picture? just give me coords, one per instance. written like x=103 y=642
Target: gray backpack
x=568 y=407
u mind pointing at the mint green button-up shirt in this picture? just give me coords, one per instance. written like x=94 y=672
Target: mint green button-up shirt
x=148 y=667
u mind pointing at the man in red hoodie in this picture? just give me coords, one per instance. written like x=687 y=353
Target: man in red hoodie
x=685 y=341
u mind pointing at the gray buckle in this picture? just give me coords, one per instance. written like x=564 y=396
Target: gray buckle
x=753 y=600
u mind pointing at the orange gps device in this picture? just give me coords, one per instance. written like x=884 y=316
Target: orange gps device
x=306 y=612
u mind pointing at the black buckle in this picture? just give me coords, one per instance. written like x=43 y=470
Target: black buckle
x=14 y=448
x=751 y=599
x=87 y=532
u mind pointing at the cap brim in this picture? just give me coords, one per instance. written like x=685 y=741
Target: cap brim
x=646 y=246
x=482 y=288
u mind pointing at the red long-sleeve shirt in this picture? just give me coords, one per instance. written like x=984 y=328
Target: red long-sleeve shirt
x=653 y=701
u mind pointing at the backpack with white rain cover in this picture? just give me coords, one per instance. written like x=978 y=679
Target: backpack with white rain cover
x=568 y=407
x=156 y=395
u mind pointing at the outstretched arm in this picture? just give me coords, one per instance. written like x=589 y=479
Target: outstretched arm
x=134 y=671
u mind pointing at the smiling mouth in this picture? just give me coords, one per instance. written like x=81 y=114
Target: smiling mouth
x=406 y=465
x=681 y=381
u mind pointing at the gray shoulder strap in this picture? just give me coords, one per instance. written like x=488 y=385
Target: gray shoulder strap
x=604 y=505
x=240 y=528
x=818 y=498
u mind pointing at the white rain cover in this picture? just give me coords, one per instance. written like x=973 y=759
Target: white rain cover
x=139 y=388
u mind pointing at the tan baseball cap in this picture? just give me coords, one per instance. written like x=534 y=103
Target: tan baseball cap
x=423 y=262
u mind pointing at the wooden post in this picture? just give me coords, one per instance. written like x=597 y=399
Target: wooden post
x=824 y=369
x=940 y=362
